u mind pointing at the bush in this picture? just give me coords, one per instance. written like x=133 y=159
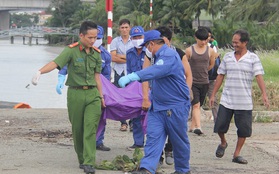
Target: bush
x=60 y=39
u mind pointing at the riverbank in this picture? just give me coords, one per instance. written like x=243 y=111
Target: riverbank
x=39 y=141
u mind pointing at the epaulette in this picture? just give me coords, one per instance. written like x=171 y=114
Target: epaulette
x=73 y=45
x=97 y=49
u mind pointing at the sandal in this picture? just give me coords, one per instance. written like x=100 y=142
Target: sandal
x=198 y=131
x=124 y=127
x=221 y=151
x=239 y=160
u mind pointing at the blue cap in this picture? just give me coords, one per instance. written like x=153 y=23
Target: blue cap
x=137 y=31
x=151 y=35
x=100 y=32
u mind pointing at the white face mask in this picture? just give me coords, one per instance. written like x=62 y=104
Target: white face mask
x=148 y=53
x=137 y=43
x=98 y=43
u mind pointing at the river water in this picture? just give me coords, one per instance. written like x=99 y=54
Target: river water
x=18 y=64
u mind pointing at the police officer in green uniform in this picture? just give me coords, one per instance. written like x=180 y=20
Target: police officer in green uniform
x=84 y=97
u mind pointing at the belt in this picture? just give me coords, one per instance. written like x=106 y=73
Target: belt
x=82 y=87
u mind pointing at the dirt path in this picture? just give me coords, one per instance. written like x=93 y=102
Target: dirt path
x=39 y=141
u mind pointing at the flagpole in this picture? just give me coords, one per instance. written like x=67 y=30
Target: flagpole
x=151 y=13
x=109 y=9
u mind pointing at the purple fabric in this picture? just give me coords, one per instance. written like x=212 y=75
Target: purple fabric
x=121 y=103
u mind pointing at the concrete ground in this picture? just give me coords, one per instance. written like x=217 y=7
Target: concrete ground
x=36 y=141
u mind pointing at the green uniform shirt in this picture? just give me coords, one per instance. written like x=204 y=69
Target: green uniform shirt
x=81 y=66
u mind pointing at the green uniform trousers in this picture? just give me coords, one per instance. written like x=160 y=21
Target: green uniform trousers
x=84 y=109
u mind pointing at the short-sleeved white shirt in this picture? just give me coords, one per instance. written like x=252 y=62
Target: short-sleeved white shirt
x=237 y=91
x=121 y=48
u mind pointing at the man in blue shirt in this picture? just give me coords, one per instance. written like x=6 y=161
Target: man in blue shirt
x=106 y=70
x=170 y=104
x=134 y=61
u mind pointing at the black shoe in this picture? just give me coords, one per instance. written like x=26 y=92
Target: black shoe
x=102 y=147
x=133 y=147
x=181 y=172
x=198 y=131
x=88 y=169
x=141 y=171
x=81 y=166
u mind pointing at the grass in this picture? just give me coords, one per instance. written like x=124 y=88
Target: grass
x=270 y=62
x=263 y=119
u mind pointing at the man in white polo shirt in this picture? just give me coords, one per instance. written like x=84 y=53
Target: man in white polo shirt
x=240 y=67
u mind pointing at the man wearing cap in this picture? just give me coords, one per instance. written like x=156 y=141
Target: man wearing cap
x=106 y=70
x=170 y=104
x=84 y=95
x=135 y=58
x=166 y=34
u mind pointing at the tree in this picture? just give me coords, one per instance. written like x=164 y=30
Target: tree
x=62 y=12
x=195 y=7
x=81 y=15
x=171 y=13
x=136 y=11
x=255 y=10
x=22 y=20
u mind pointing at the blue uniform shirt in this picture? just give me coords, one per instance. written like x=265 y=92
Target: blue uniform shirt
x=134 y=60
x=169 y=89
x=106 y=60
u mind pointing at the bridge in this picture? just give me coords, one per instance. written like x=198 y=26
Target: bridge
x=36 y=32
x=12 y=5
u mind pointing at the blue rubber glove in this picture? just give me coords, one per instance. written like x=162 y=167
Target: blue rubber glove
x=60 y=84
x=123 y=81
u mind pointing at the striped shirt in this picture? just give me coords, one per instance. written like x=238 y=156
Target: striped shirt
x=237 y=91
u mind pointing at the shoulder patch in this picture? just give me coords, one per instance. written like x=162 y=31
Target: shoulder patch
x=96 y=49
x=73 y=45
x=160 y=62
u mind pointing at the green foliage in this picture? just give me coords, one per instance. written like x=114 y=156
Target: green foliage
x=80 y=15
x=63 y=11
x=60 y=39
x=23 y=20
x=261 y=36
x=258 y=17
x=171 y=13
x=255 y=10
x=123 y=162
x=137 y=155
x=263 y=119
x=98 y=14
x=270 y=62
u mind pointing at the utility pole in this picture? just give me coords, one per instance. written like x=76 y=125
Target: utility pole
x=151 y=13
x=109 y=8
